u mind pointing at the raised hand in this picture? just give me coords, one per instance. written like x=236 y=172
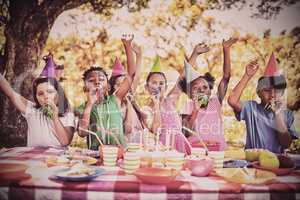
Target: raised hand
x=252 y=68
x=201 y=48
x=228 y=43
x=127 y=39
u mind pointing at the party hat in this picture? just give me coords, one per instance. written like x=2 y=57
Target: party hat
x=271 y=68
x=156 y=65
x=118 y=68
x=272 y=78
x=190 y=73
x=49 y=69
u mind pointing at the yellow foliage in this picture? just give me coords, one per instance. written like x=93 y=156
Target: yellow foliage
x=78 y=55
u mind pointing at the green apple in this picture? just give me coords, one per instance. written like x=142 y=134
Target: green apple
x=268 y=159
x=253 y=154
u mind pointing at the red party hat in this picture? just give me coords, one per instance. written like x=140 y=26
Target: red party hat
x=271 y=68
x=118 y=68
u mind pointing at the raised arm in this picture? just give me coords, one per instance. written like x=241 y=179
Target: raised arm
x=222 y=88
x=126 y=84
x=199 y=49
x=235 y=95
x=138 y=66
x=18 y=101
x=127 y=40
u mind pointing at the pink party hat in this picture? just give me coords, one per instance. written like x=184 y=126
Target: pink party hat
x=118 y=68
x=271 y=68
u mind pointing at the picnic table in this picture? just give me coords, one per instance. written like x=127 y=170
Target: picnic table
x=115 y=184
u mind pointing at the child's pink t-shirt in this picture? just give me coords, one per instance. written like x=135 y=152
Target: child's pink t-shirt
x=171 y=121
x=208 y=123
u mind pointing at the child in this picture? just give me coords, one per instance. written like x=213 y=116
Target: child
x=129 y=109
x=50 y=122
x=59 y=73
x=160 y=113
x=203 y=113
x=269 y=125
x=101 y=113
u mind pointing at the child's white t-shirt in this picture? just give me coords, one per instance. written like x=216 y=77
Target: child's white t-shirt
x=41 y=129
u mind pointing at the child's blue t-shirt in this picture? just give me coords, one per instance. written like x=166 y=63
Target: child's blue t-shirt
x=261 y=126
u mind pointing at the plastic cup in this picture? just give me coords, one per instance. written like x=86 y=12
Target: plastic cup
x=174 y=160
x=131 y=162
x=218 y=158
x=133 y=147
x=158 y=159
x=146 y=159
x=110 y=154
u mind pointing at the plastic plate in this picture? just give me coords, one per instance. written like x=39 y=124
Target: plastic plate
x=62 y=175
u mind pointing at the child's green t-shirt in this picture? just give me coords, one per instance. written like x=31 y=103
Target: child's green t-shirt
x=105 y=115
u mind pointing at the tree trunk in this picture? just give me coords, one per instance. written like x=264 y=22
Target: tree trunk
x=26 y=35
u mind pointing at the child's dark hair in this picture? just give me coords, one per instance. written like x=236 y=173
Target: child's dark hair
x=152 y=73
x=207 y=76
x=63 y=103
x=91 y=69
x=112 y=82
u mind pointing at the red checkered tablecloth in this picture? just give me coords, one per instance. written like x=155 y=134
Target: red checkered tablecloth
x=115 y=184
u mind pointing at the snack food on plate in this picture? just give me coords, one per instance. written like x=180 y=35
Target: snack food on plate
x=80 y=170
x=68 y=160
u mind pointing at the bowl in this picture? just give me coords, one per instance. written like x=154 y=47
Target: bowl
x=12 y=170
x=6 y=168
x=287 y=165
x=152 y=175
x=295 y=158
x=235 y=163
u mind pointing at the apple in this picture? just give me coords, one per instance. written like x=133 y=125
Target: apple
x=268 y=159
x=253 y=154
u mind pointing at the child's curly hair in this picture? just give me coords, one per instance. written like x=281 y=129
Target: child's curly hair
x=207 y=76
x=91 y=69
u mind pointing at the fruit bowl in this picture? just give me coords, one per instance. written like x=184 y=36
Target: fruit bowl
x=287 y=165
x=295 y=158
x=153 y=175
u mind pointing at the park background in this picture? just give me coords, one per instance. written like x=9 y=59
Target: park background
x=89 y=34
